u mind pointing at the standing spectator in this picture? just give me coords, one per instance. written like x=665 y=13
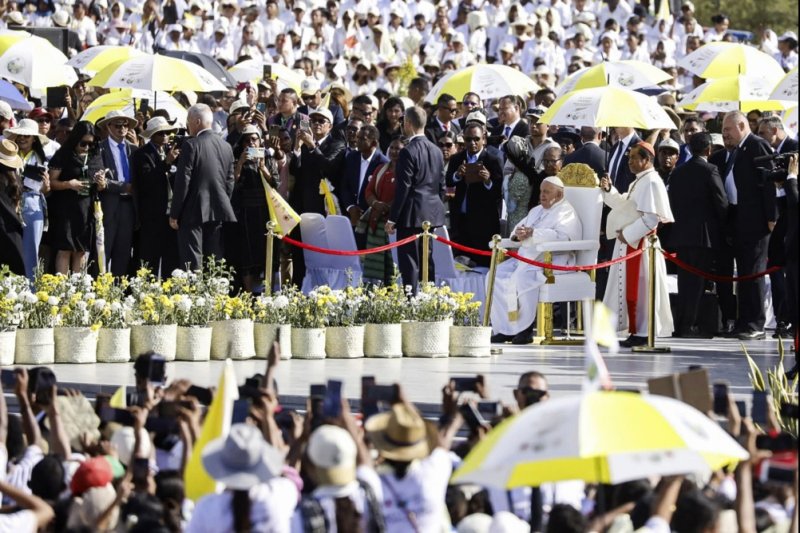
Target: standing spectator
x=45 y=120
x=444 y=120
x=787 y=50
x=153 y=172
x=358 y=167
x=288 y=117
x=509 y=122
x=419 y=188
x=311 y=95
x=590 y=153
x=619 y=171
x=668 y=152
x=691 y=125
x=10 y=216
x=390 y=123
x=471 y=102
x=519 y=177
x=700 y=208
x=203 y=186
x=539 y=136
x=119 y=210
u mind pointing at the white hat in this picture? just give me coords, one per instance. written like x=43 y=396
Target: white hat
x=124 y=439
x=61 y=18
x=457 y=38
x=101 y=3
x=324 y=112
x=788 y=35
x=26 y=126
x=115 y=114
x=431 y=62
x=243 y=459
x=554 y=180
x=522 y=20
x=543 y=70
x=688 y=4
x=309 y=86
x=157 y=124
x=474 y=523
x=333 y=452
x=374 y=11
x=5 y=111
x=669 y=143
x=221 y=25
x=237 y=104
x=174 y=28
x=505 y=522
x=506 y=47
x=475 y=116
x=16 y=18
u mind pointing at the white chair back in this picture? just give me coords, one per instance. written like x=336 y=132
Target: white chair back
x=340 y=237
x=444 y=263
x=313 y=228
x=588 y=204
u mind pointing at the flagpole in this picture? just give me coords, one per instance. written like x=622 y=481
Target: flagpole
x=268 y=266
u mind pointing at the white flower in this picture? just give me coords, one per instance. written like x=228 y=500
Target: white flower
x=30 y=298
x=184 y=305
x=280 y=302
x=99 y=304
x=200 y=301
x=116 y=307
x=178 y=274
x=89 y=296
x=53 y=300
x=80 y=305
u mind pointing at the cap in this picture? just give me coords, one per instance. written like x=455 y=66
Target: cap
x=324 y=112
x=554 y=180
x=16 y=18
x=174 y=28
x=431 y=62
x=537 y=111
x=61 y=18
x=374 y=11
x=507 y=47
x=237 y=104
x=476 y=116
x=309 y=86
x=789 y=35
x=457 y=38
x=687 y=4
x=647 y=146
x=669 y=144
x=333 y=452
x=5 y=111
x=39 y=112
x=94 y=472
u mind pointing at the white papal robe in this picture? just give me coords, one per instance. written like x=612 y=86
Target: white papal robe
x=638 y=213
x=516 y=287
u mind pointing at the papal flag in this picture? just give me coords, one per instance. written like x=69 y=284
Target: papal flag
x=331 y=203
x=600 y=331
x=280 y=212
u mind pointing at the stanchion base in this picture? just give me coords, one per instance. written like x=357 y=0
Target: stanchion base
x=651 y=349
x=541 y=341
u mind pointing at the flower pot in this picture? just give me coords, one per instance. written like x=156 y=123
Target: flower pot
x=344 y=342
x=35 y=347
x=160 y=339
x=266 y=334
x=114 y=345
x=470 y=341
x=232 y=339
x=383 y=340
x=193 y=343
x=75 y=345
x=308 y=343
x=7 y=344
x=426 y=339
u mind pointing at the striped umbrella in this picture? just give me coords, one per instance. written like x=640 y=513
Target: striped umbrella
x=488 y=81
x=629 y=74
x=127 y=101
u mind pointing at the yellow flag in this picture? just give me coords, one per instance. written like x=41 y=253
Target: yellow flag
x=326 y=101
x=216 y=424
x=664 y=11
x=280 y=212
x=119 y=399
x=331 y=203
x=603 y=331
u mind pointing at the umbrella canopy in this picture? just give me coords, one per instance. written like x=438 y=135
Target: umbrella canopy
x=607 y=107
x=156 y=73
x=731 y=93
x=252 y=70
x=9 y=37
x=790 y=121
x=96 y=58
x=720 y=59
x=488 y=81
x=628 y=74
x=13 y=97
x=35 y=63
x=127 y=101
x=601 y=437
x=786 y=88
x=207 y=62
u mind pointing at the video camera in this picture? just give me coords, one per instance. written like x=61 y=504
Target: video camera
x=178 y=139
x=781 y=166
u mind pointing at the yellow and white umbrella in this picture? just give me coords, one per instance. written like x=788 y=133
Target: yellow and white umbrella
x=607 y=107
x=127 y=101
x=35 y=63
x=600 y=437
x=720 y=59
x=9 y=37
x=733 y=93
x=252 y=70
x=786 y=89
x=94 y=59
x=790 y=121
x=156 y=73
x=488 y=81
x=629 y=74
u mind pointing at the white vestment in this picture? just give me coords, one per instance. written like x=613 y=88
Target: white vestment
x=638 y=213
x=516 y=285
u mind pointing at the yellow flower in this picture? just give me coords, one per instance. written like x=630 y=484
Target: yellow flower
x=42 y=296
x=95 y=326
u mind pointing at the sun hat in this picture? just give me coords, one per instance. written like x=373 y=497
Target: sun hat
x=669 y=144
x=5 y=111
x=116 y=114
x=9 y=155
x=94 y=472
x=333 y=452
x=401 y=434
x=243 y=459
x=124 y=440
x=251 y=129
x=309 y=86
x=568 y=133
x=323 y=112
x=157 y=124
x=85 y=510
x=26 y=126
x=15 y=18
x=61 y=19
x=236 y=105
x=476 y=116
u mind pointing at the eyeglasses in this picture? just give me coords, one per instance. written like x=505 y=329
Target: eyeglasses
x=446 y=145
x=120 y=125
x=44 y=120
x=84 y=144
x=472 y=139
x=450 y=109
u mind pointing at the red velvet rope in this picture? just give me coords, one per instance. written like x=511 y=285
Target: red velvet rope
x=579 y=268
x=328 y=251
x=463 y=248
x=714 y=277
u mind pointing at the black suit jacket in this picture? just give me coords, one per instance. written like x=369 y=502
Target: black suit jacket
x=589 y=154
x=419 y=185
x=309 y=169
x=699 y=205
x=204 y=181
x=521 y=129
x=152 y=184
x=483 y=205
x=115 y=185
x=755 y=196
x=624 y=177
x=790 y=187
x=351 y=192
x=434 y=132
x=10 y=236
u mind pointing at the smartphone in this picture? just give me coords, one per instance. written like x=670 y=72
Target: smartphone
x=317 y=391
x=241 y=409
x=490 y=409
x=465 y=384
x=43 y=384
x=382 y=393
x=57 y=96
x=120 y=416
x=332 y=404
x=140 y=469
x=369 y=406
x=720 y=398
x=782 y=442
x=144 y=104
x=266 y=72
x=170 y=409
x=471 y=415
x=261 y=107
x=741 y=405
x=203 y=395
x=275 y=131
x=157 y=373
x=162 y=425
x=9 y=378
x=255 y=153
x=100 y=401
x=305 y=125
x=758 y=411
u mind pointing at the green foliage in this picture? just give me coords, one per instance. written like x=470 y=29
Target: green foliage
x=780 y=388
x=751 y=15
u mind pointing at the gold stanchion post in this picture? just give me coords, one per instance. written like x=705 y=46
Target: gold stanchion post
x=268 y=266
x=496 y=251
x=426 y=250
x=651 y=303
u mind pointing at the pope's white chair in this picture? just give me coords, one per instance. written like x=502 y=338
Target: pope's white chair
x=319 y=269
x=447 y=273
x=340 y=237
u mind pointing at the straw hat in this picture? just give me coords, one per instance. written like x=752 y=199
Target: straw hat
x=401 y=434
x=112 y=115
x=157 y=124
x=9 y=155
x=26 y=126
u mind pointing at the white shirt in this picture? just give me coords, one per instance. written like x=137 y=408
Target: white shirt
x=118 y=173
x=362 y=173
x=615 y=161
x=730 y=183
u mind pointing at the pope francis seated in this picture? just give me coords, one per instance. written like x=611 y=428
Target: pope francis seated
x=517 y=284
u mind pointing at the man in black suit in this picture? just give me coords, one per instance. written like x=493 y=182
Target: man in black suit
x=119 y=210
x=201 y=200
x=444 y=120
x=358 y=167
x=153 y=169
x=590 y=153
x=419 y=189
x=699 y=206
x=477 y=176
x=754 y=217
x=621 y=176
x=288 y=115
x=509 y=121
x=471 y=102
x=790 y=189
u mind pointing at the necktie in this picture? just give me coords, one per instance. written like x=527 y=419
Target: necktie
x=123 y=161
x=446 y=126
x=730 y=163
x=507 y=132
x=615 y=162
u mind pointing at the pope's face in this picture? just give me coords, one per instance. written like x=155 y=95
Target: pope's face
x=549 y=194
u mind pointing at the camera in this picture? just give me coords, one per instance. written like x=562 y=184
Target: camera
x=33 y=171
x=781 y=166
x=178 y=139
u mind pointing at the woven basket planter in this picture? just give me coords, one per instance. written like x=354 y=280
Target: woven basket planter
x=232 y=339
x=426 y=339
x=8 y=341
x=75 y=345
x=383 y=340
x=470 y=341
x=193 y=343
x=35 y=347
x=266 y=334
x=160 y=339
x=308 y=343
x=344 y=342
x=114 y=345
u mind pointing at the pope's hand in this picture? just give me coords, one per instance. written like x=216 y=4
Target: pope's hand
x=605 y=183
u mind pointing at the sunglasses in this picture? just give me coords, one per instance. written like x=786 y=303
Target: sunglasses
x=84 y=144
x=446 y=145
x=44 y=120
x=318 y=121
x=450 y=109
x=470 y=104
x=120 y=125
x=472 y=139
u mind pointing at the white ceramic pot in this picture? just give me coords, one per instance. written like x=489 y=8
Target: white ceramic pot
x=8 y=340
x=232 y=339
x=160 y=339
x=34 y=347
x=470 y=341
x=75 y=345
x=426 y=339
x=114 y=345
x=193 y=343
x=266 y=334
x=383 y=340
x=308 y=343
x=344 y=342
